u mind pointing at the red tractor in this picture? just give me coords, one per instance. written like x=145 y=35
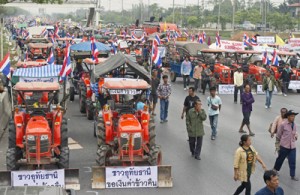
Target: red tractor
x=37 y=132
x=126 y=132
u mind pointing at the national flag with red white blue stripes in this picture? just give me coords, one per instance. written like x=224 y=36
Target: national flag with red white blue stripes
x=218 y=40
x=94 y=50
x=275 y=60
x=5 y=65
x=51 y=58
x=265 y=59
x=67 y=67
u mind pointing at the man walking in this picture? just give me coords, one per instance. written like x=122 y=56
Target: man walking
x=272 y=184
x=238 y=79
x=153 y=94
x=206 y=78
x=163 y=93
x=197 y=75
x=214 y=106
x=194 y=123
x=275 y=126
x=287 y=134
x=285 y=77
x=189 y=101
x=268 y=87
x=186 y=68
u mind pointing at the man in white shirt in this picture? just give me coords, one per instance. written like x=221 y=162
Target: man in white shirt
x=238 y=78
x=214 y=103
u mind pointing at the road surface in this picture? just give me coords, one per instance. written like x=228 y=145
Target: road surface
x=214 y=173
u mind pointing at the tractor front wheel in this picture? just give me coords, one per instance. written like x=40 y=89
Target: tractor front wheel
x=103 y=154
x=72 y=93
x=12 y=156
x=89 y=111
x=64 y=133
x=63 y=158
x=155 y=156
x=82 y=105
x=12 y=134
x=152 y=134
x=100 y=132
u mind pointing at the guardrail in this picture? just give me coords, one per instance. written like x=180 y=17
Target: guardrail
x=5 y=109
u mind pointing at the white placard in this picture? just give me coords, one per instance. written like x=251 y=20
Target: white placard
x=226 y=89
x=162 y=52
x=265 y=39
x=46 y=80
x=294 y=42
x=294 y=85
x=125 y=91
x=38 y=178
x=131 y=177
x=260 y=91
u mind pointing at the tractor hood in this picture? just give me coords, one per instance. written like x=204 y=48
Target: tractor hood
x=37 y=125
x=128 y=122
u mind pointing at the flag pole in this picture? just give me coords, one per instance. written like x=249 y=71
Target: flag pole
x=11 y=97
x=150 y=65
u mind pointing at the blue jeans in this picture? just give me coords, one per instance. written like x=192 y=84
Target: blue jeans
x=213 y=124
x=268 y=98
x=291 y=155
x=164 y=105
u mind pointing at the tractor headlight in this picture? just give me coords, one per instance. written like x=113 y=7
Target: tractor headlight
x=137 y=135
x=44 y=137
x=124 y=135
x=30 y=138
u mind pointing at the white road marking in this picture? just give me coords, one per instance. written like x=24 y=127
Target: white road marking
x=89 y=169
x=71 y=141
x=73 y=145
x=92 y=192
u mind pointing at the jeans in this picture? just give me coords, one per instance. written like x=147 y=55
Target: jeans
x=204 y=84
x=213 y=124
x=164 y=105
x=197 y=84
x=291 y=155
x=236 y=90
x=268 y=98
x=285 y=86
x=186 y=80
x=244 y=185
x=195 y=145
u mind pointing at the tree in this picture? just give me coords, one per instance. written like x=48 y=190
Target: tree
x=192 y=20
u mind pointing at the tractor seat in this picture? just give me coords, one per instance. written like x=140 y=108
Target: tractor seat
x=38 y=112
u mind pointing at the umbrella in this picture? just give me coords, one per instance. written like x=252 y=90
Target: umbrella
x=86 y=46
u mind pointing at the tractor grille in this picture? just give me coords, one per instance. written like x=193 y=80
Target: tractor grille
x=31 y=144
x=137 y=143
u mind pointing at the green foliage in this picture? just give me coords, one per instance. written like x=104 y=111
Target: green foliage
x=192 y=20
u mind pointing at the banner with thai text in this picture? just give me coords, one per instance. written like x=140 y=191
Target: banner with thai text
x=47 y=80
x=226 y=89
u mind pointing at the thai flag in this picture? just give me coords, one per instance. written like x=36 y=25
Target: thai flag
x=133 y=36
x=200 y=38
x=66 y=68
x=204 y=36
x=186 y=33
x=52 y=39
x=51 y=58
x=265 y=59
x=68 y=35
x=193 y=38
x=143 y=39
x=253 y=41
x=156 y=59
x=5 y=66
x=176 y=35
x=246 y=40
x=44 y=33
x=275 y=60
x=73 y=36
x=95 y=51
x=218 y=40
x=27 y=36
x=114 y=48
x=157 y=39
x=56 y=31
x=145 y=34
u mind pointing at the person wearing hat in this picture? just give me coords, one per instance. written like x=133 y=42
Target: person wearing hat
x=238 y=79
x=287 y=134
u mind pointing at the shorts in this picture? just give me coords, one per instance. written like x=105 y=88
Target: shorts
x=246 y=119
x=153 y=98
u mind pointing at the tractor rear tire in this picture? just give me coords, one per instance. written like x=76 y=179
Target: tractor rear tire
x=103 y=154
x=155 y=156
x=96 y=121
x=72 y=93
x=173 y=76
x=90 y=111
x=100 y=132
x=63 y=158
x=64 y=133
x=12 y=134
x=152 y=134
x=82 y=104
x=298 y=90
x=12 y=156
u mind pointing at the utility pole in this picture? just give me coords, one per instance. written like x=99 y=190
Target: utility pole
x=233 y=17
x=173 y=11
x=198 y=7
x=109 y=1
x=122 y=7
x=2 y=26
x=219 y=14
x=141 y=2
x=148 y=8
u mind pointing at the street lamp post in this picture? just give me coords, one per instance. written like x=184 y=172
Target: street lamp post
x=219 y=14
x=173 y=11
x=233 y=17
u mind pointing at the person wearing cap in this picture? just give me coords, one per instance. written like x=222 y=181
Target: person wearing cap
x=287 y=134
x=238 y=79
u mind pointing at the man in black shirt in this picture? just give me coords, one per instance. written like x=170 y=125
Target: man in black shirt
x=153 y=94
x=189 y=101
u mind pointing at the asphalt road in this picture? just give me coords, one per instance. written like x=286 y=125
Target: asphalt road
x=214 y=173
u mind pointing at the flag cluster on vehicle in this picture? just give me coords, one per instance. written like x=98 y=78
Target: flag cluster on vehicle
x=94 y=50
x=201 y=37
x=142 y=39
x=66 y=68
x=5 y=65
x=56 y=31
x=265 y=59
x=275 y=60
x=44 y=33
x=218 y=40
x=51 y=58
x=249 y=42
x=156 y=59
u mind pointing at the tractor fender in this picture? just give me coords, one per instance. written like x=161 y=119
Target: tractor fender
x=56 y=126
x=19 y=120
x=108 y=123
x=145 y=121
